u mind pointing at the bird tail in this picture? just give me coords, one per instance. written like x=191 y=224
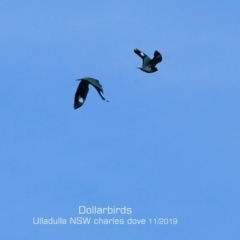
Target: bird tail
x=100 y=92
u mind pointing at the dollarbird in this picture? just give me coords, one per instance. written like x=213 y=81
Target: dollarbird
x=82 y=90
x=149 y=65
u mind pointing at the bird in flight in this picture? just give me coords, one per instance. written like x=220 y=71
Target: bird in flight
x=149 y=65
x=82 y=90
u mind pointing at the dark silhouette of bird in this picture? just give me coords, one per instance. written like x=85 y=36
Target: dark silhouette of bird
x=149 y=64
x=82 y=91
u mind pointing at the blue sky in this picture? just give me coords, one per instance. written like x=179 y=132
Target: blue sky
x=167 y=143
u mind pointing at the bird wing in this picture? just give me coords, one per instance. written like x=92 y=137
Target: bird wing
x=146 y=59
x=95 y=83
x=81 y=94
x=156 y=59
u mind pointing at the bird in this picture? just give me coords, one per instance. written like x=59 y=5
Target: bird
x=149 y=64
x=82 y=90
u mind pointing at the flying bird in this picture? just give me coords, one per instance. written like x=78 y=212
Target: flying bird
x=82 y=91
x=149 y=64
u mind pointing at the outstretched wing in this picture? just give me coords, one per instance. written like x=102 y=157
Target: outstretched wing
x=81 y=94
x=95 y=83
x=146 y=59
x=156 y=59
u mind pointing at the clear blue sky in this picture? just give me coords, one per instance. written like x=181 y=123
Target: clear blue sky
x=167 y=145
